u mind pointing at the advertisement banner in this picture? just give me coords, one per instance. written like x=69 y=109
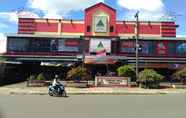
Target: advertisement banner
x=145 y=47
x=181 y=48
x=100 y=45
x=64 y=48
x=162 y=48
x=70 y=42
x=128 y=46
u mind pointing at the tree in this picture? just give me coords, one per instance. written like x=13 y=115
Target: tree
x=180 y=75
x=126 y=70
x=149 y=78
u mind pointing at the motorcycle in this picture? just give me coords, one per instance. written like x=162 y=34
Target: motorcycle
x=57 y=91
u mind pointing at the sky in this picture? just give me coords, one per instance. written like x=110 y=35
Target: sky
x=150 y=10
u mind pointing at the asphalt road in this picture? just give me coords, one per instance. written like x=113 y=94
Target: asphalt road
x=94 y=106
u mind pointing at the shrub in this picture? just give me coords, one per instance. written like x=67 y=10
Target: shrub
x=40 y=77
x=77 y=72
x=180 y=75
x=149 y=78
x=126 y=70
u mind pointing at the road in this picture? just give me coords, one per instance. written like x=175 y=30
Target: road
x=93 y=106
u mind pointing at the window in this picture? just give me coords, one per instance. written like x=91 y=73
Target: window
x=111 y=29
x=88 y=28
x=40 y=45
x=17 y=44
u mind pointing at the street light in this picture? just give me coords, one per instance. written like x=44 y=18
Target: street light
x=136 y=44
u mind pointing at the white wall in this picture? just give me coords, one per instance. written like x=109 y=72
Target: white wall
x=3 y=45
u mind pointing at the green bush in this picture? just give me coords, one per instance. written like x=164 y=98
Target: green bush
x=180 y=75
x=126 y=70
x=149 y=78
x=40 y=77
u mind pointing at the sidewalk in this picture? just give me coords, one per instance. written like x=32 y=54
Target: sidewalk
x=21 y=89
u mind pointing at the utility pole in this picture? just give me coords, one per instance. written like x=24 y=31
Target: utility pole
x=136 y=44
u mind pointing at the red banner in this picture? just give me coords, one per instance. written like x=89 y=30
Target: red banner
x=71 y=42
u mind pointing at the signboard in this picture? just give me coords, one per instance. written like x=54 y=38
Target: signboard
x=98 y=45
x=70 y=42
x=162 y=48
x=100 y=23
x=111 y=81
x=99 y=60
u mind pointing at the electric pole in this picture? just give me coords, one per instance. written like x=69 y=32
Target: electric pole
x=136 y=44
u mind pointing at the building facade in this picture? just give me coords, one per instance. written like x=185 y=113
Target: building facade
x=99 y=39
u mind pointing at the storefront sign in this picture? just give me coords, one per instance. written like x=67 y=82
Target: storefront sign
x=99 y=60
x=98 y=45
x=111 y=81
x=100 y=23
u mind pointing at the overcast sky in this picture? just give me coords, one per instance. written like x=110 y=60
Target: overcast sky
x=153 y=10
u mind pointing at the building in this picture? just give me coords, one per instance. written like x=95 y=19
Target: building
x=100 y=42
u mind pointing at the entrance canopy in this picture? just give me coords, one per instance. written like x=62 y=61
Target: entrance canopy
x=100 y=59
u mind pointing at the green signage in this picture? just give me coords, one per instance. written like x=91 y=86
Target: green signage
x=100 y=24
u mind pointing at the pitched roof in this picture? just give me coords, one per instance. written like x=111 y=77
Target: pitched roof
x=100 y=4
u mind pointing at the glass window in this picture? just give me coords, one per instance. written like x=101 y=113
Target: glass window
x=40 y=45
x=18 y=44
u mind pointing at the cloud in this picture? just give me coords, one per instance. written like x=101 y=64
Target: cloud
x=181 y=35
x=13 y=16
x=59 y=8
x=149 y=9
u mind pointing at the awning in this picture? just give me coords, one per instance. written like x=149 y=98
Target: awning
x=99 y=60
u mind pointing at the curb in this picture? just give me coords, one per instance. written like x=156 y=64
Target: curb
x=81 y=93
x=91 y=91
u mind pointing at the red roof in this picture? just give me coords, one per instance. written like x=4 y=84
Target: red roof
x=100 y=4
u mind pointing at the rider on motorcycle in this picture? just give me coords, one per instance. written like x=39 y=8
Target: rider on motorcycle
x=57 y=85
